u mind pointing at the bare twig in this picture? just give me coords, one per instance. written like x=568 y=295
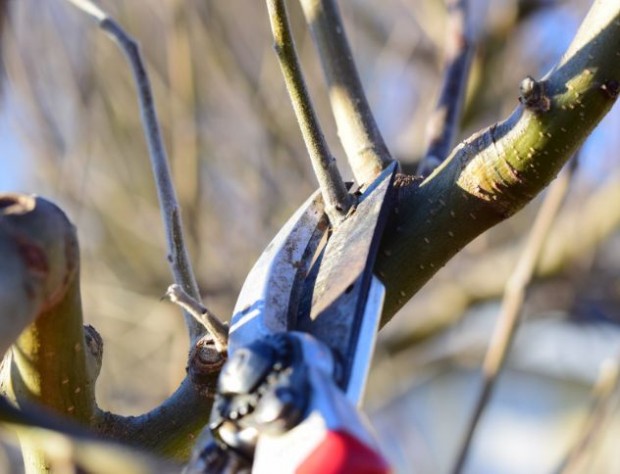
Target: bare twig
x=602 y=402
x=171 y=215
x=337 y=199
x=215 y=327
x=443 y=122
x=512 y=304
x=357 y=129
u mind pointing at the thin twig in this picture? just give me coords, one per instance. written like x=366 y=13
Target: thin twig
x=215 y=327
x=171 y=215
x=337 y=199
x=443 y=123
x=512 y=304
x=357 y=129
x=603 y=399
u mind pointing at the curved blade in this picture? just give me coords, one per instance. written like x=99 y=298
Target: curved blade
x=262 y=307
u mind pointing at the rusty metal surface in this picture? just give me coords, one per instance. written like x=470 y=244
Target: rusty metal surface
x=342 y=283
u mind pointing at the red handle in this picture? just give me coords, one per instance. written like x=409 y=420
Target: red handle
x=341 y=453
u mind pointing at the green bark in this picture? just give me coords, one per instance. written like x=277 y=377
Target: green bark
x=494 y=173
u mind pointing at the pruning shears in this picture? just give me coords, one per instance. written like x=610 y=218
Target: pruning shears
x=300 y=345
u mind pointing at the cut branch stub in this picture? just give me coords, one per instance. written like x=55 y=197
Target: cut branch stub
x=39 y=298
x=38 y=251
x=533 y=95
x=47 y=362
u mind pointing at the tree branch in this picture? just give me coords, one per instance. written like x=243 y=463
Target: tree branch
x=604 y=394
x=63 y=444
x=512 y=304
x=47 y=362
x=442 y=303
x=444 y=121
x=170 y=429
x=216 y=328
x=358 y=132
x=494 y=173
x=337 y=199
x=170 y=210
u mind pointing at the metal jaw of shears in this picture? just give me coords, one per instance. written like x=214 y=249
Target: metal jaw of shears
x=300 y=346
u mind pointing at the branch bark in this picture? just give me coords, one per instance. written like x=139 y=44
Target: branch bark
x=362 y=141
x=495 y=172
x=178 y=257
x=51 y=362
x=443 y=123
x=47 y=363
x=335 y=194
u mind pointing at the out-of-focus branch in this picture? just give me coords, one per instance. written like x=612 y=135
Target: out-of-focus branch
x=171 y=213
x=47 y=362
x=443 y=123
x=40 y=255
x=337 y=199
x=22 y=279
x=4 y=13
x=65 y=446
x=512 y=304
x=168 y=429
x=604 y=393
x=357 y=129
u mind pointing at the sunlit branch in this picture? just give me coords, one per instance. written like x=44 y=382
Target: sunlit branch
x=357 y=129
x=443 y=123
x=337 y=199
x=170 y=210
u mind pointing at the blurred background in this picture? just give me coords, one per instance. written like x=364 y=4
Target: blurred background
x=70 y=131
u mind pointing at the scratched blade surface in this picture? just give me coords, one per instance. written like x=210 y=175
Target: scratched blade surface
x=262 y=307
x=341 y=287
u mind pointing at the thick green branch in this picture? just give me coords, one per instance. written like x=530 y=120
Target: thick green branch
x=497 y=171
x=47 y=363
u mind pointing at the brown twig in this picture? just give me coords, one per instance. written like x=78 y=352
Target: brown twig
x=443 y=123
x=337 y=199
x=602 y=402
x=170 y=210
x=357 y=129
x=216 y=328
x=512 y=304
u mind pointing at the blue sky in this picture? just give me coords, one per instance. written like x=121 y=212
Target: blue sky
x=13 y=169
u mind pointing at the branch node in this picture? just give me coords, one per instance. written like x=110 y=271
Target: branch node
x=204 y=364
x=94 y=351
x=611 y=89
x=533 y=96
x=217 y=329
